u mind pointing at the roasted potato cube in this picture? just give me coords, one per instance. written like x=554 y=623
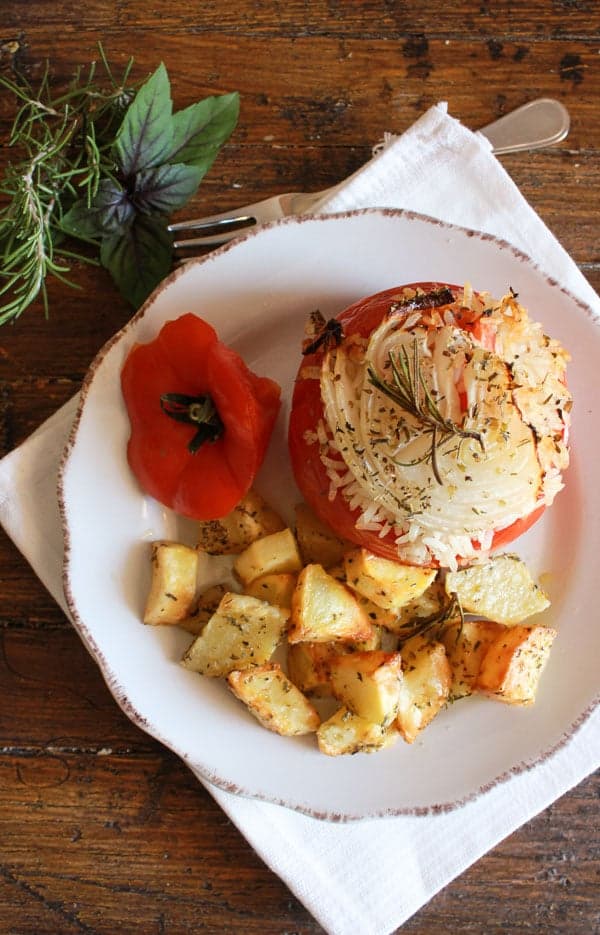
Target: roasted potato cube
x=318 y=544
x=466 y=644
x=377 y=615
x=308 y=663
x=513 y=664
x=272 y=698
x=272 y=555
x=276 y=589
x=204 y=608
x=324 y=610
x=388 y=584
x=501 y=588
x=345 y=733
x=174 y=582
x=428 y=604
x=250 y=520
x=425 y=686
x=368 y=683
x=243 y=632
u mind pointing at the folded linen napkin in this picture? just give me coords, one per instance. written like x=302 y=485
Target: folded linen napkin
x=368 y=876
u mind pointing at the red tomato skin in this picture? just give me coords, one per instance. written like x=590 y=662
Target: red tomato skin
x=187 y=357
x=311 y=477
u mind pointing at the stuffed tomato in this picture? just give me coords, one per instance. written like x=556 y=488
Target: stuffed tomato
x=429 y=423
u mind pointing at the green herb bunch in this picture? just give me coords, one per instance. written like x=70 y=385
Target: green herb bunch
x=106 y=164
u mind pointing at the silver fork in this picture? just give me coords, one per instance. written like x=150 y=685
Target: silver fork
x=537 y=124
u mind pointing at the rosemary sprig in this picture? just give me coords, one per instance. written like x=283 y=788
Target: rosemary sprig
x=436 y=623
x=408 y=390
x=105 y=164
x=61 y=143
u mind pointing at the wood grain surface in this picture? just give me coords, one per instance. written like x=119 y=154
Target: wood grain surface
x=102 y=830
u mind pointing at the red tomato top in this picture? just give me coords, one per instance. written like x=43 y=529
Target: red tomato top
x=188 y=360
x=307 y=410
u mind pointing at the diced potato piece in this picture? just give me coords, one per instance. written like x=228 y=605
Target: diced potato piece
x=174 y=582
x=377 y=615
x=368 y=684
x=276 y=589
x=323 y=610
x=514 y=662
x=318 y=544
x=346 y=733
x=466 y=644
x=243 y=632
x=501 y=588
x=388 y=584
x=204 y=608
x=425 y=687
x=250 y=520
x=272 y=698
x=428 y=604
x=308 y=663
x=273 y=555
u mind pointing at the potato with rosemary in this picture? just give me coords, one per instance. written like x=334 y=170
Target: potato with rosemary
x=346 y=733
x=250 y=520
x=324 y=610
x=513 y=664
x=309 y=663
x=243 y=632
x=274 y=554
x=174 y=583
x=274 y=700
x=425 y=687
x=501 y=589
x=466 y=643
x=318 y=543
x=369 y=684
x=384 y=582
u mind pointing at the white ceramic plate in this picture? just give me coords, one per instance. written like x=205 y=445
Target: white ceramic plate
x=258 y=293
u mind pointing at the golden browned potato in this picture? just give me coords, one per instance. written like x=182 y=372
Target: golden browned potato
x=429 y=604
x=388 y=584
x=378 y=616
x=250 y=520
x=308 y=663
x=512 y=667
x=174 y=581
x=276 y=589
x=243 y=632
x=272 y=698
x=501 y=589
x=347 y=733
x=425 y=687
x=319 y=545
x=466 y=644
x=324 y=610
x=204 y=608
x=368 y=683
x=272 y=555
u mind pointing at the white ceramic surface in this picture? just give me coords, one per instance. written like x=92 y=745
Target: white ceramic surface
x=258 y=292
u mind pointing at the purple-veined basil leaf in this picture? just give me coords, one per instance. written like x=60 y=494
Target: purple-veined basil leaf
x=110 y=210
x=139 y=257
x=163 y=189
x=201 y=129
x=145 y=136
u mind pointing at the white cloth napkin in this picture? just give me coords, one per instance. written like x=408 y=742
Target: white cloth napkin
x=369 y=876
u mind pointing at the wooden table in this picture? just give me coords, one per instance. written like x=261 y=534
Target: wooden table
x=101 y=829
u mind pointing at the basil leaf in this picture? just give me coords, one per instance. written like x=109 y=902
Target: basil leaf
x=139 y=257
x=200 y=129
x=165 y=188
x=145 y=137
x=108 y=211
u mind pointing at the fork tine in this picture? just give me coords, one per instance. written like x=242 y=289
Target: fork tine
x=212 y=240
x=214 y=220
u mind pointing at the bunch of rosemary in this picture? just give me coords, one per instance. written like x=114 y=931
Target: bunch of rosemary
x=105 y=164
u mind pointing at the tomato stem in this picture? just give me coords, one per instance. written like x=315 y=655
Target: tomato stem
x=199 y=411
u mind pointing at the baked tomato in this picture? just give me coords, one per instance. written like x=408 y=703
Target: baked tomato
x=429 y=423
x=200 y=419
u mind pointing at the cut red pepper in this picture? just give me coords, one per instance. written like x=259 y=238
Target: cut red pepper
x=200 y=419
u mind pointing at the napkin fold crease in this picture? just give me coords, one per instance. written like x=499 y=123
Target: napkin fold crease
x=368 y=876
